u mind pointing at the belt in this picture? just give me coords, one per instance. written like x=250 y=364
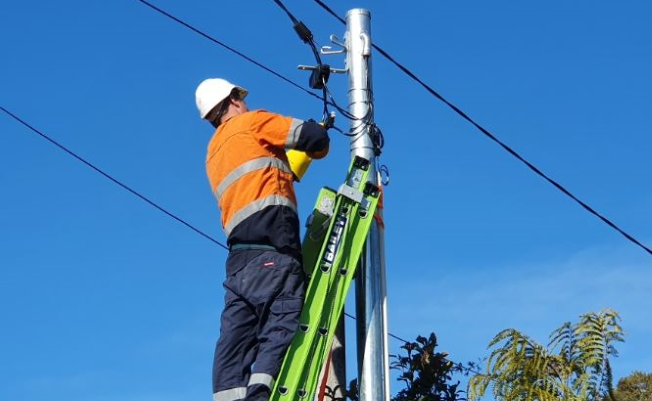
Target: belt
x=237 y=247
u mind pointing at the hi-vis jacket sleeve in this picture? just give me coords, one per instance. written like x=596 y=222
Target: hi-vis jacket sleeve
x=273 y=130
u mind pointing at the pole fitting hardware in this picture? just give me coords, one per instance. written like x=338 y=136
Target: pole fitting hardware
x=328 y=50
x=366 y=44
x=303 y=31
x=320 y=74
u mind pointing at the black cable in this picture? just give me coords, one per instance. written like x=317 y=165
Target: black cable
x=307 y=37
x=389 y=334
x=314 y=95
x=227 y=47
x=233 y=50
x=458 y=364
x=114 y=180
x=495 y=139
x=280 y=4
x=323 y=98
x=331 y=12
x=302 y=30
x=132 y=191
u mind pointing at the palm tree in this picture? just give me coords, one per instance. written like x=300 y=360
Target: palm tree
x=574 y=366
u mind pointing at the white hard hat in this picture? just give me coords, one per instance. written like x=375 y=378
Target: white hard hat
x=212 y=91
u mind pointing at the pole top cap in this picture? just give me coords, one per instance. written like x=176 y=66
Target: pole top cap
x=358 y=11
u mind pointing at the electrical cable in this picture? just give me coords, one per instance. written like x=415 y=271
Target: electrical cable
x=134 y=192
x=239 y=53
x=366 y=121
x=496 y=140
x=292 y=18
x=385 y=54
x=404 y=341
x=330 y=11
x=307 y=37
x=434 y=93
x=227 y=47
x=129 y=189
x=251 y=60
x=114 y=180
x=430 y=90
x=389 y=334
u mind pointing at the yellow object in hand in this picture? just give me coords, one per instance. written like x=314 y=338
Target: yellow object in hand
x=299 y=162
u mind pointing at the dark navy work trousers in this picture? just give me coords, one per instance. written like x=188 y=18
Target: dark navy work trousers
x=264 y=296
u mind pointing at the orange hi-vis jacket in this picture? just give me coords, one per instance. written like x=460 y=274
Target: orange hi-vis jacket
x=251 y=178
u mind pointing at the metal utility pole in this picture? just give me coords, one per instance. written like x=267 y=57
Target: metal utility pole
x=371 y=287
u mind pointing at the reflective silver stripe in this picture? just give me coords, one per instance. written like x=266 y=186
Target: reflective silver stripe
x=293 y=134
x=261 y=378
x=255 y=206
x=248 y=167
x=231 y=394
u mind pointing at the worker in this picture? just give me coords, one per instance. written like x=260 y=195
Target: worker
x=264 y=287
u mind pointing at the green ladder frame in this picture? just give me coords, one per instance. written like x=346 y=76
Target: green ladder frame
x=334 y=241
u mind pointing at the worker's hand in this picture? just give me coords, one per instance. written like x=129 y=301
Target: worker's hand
x=329 y=122
x=318 y=154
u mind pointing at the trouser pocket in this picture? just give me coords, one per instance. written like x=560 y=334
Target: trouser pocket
x=277 y=333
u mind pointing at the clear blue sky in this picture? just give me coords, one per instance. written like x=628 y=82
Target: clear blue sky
x=105 y=298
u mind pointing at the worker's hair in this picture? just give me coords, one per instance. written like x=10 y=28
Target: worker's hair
x=215 y=115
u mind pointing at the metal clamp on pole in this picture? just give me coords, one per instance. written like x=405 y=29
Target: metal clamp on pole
x=320 y=74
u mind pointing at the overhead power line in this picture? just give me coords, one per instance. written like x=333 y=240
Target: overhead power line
x=386 y=55
x=106 y=175
x=227 y=47
x=289 y=14
x=389 y=334
x=461 y=113
x=130 y=190
x=136 y=193
x=331 y=12
x=491 y=136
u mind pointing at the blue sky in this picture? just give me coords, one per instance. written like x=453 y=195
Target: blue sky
x=105 y=298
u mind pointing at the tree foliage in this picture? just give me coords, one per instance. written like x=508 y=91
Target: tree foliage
x=573 y=367
x=427 y=374
x=635 y=387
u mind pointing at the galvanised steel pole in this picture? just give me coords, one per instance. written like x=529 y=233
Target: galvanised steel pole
x=371 y=288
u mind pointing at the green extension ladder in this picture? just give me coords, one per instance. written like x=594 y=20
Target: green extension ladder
x=334 y=241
